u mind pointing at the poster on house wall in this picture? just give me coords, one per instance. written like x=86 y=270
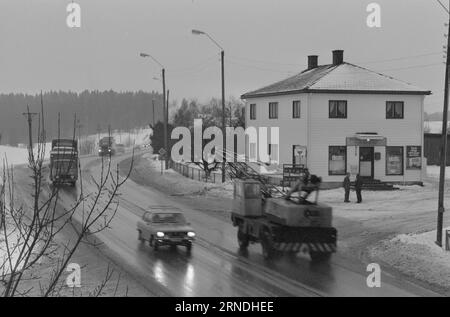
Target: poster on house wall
x=413 y=157
x=300 y=155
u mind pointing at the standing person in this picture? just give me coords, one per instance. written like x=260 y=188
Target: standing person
x=358 y=187
x=347 y=188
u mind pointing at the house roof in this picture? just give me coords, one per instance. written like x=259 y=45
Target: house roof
x=344 y=77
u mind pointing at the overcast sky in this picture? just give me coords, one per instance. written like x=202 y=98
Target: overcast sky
x=264 y=41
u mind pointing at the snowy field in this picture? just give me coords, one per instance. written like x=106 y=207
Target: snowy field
x=19 y=155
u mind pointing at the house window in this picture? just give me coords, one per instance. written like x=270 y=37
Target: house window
x=394 y=109
x=273 y=152
x=252 y=111
x=273 y=110
x=394 y=160
x=338 y=109
x=296 y=109
x=337 y=160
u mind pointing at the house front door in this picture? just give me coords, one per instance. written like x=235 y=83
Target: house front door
x=366 y=161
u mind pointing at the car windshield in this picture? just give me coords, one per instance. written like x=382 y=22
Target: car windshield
x=169 y=218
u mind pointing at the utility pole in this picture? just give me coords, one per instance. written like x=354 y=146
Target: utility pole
x=79 y=126
x=29 y=116
x=99 y=129
x=166 y=130
x=443 y=157
x=163 y=71
x=222 y=58
x=165 y=112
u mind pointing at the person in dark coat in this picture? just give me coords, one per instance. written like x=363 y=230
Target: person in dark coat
x=358 y=188
x=347 y=188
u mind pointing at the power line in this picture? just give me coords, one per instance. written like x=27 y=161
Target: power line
x=443 y=6
x=194 y=67
x=400 y=58
x=265 y=62
x=411 y=67
x=361 y=62
x=262 y=68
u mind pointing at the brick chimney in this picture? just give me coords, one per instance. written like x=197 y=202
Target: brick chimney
x=312 y=61
x=338 y=57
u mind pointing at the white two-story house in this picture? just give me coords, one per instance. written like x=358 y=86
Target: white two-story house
x=340 y=118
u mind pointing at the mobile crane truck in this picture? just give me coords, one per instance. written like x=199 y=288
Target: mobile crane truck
x=281 y=225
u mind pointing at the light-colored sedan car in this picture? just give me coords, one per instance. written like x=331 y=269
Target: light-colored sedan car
x=165 y=226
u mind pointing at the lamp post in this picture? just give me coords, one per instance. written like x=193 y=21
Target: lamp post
x=222 y=56
x=163 y=76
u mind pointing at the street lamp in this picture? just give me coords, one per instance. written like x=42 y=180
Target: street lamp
x=222 y=56
x=166 y=114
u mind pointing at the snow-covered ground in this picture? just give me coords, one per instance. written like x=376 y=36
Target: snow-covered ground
x=416 y=255
x=13 y=155
x=434 y=170
x=433 y=126
x=186 y=186
x=19 y=155
x=135 y=136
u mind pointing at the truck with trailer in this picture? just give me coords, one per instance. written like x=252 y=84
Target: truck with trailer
x=64 y=162
x=106 y=146
x=282 y=225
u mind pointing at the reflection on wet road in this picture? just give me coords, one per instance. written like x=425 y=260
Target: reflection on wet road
x=216 y=267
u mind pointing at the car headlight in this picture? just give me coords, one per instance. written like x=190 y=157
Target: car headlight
x=160 y=234
x=191 y=234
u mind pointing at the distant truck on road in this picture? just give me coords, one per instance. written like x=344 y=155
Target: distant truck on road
x=64 y=162
x=106 y=146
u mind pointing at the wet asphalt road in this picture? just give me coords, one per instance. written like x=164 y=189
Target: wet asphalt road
x=215 y=266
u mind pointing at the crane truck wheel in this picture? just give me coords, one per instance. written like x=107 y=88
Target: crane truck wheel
x=155 y=246
x=320 y=256
x=140 y=238
x=189 y=247
x=268 y=250
x=243 y=239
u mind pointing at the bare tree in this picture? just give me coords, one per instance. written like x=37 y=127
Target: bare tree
x=29 y=232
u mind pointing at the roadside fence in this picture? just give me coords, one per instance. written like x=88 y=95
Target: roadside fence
x=195 y=173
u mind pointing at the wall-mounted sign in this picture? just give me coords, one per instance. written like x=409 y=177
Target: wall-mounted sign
x=299 y=155
x=369 y=141
x=292 y=173
x=413 y=157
